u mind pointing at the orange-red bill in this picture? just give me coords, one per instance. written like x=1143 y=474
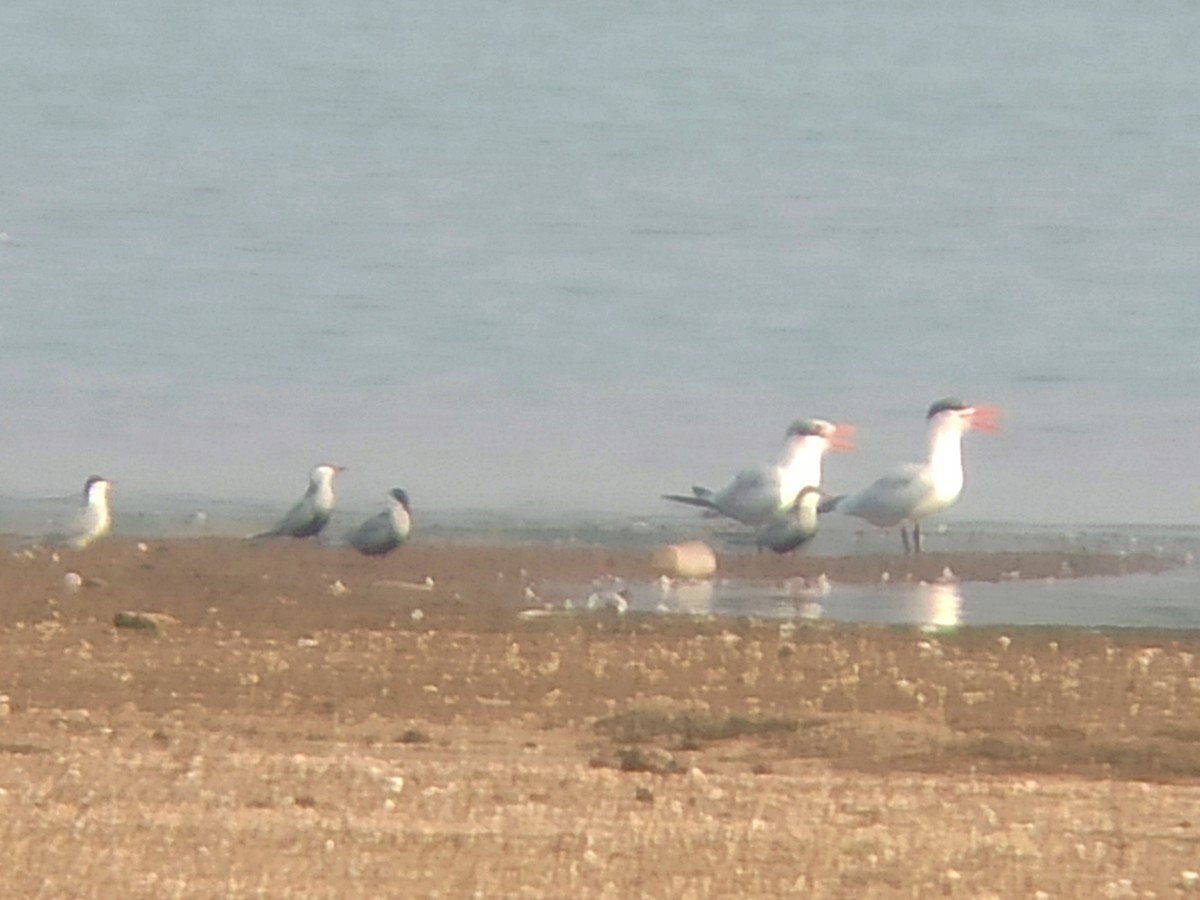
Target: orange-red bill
x=986 y=418
x=842 y=439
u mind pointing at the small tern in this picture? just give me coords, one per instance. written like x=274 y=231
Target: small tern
x=913 y=491
x=311 y=514
x=385 y=532
x=756 y=496
x=793 y=528
x=92 y=521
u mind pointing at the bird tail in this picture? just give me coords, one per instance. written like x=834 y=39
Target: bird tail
x=829 y=504
x=700 y=496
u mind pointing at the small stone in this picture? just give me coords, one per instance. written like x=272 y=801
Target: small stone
x=693 y=559
x=143 y=621
x=1119 y=889
x=135 y=621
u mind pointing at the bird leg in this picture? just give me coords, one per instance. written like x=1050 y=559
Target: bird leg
x=904 y=539
x=917 y=536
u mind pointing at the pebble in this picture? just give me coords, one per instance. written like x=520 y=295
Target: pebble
x=693 y=559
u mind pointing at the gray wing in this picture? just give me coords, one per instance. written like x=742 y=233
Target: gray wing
x=302 y=520
x=794 y=527
x=76 y=531
x=890 y=499
x=376 y=535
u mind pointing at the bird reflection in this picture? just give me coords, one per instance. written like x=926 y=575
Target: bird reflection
x=692 y=596
x=937 y=606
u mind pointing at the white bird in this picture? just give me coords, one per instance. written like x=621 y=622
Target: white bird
x=792 y=528
x=915 y=490
x=92 y=521
x=385 y=532
x=757 y=496
x=312 y=512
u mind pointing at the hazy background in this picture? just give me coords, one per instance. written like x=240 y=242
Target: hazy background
x=548 y=257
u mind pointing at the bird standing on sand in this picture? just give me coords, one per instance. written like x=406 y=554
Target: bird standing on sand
x=756 y=496
x=312 y=512
x=793 y=528
x=385 y=532
x=915 y=490
x=92 y=521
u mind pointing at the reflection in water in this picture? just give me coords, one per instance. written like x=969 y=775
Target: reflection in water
x=810 y=610
x=936 y=607
x=692 y=596
x=1166 y=600
x=806 y=596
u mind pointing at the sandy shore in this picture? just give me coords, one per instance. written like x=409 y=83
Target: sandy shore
x=302 y=722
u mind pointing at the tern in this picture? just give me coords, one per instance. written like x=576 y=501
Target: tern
x=312 y=512
x=93 y=520
x=385 y=532
x=757 y=496
x=913 y=491
x=793 y=528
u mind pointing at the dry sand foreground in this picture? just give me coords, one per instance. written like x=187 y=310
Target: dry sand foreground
x=275 y=737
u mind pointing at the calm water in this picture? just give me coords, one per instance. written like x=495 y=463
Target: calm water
x=1165 y=601
x=547 y=257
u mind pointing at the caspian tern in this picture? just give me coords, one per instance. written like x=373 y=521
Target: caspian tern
x=915 y=490
x=756 y=496
x=312 y=512
x=92 y=521
x=385 y=532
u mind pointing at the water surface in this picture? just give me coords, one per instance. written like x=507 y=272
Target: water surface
x=551 y=258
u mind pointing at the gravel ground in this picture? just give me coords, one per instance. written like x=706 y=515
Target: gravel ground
x=289 y=720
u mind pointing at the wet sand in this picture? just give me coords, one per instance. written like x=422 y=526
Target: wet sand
x=303 y=722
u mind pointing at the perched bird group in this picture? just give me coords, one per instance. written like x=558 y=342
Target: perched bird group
x=782 y=501
x=757 y=496
x=376 y=536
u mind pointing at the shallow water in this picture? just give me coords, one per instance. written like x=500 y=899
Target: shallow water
x=1170 y=600
x=558 y=258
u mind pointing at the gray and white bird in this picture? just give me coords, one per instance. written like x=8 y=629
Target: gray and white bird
x=756 y=496
x=913 y=491
x=311 y=514
x=793 y=528
x=385 y=532
x=92 y=521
